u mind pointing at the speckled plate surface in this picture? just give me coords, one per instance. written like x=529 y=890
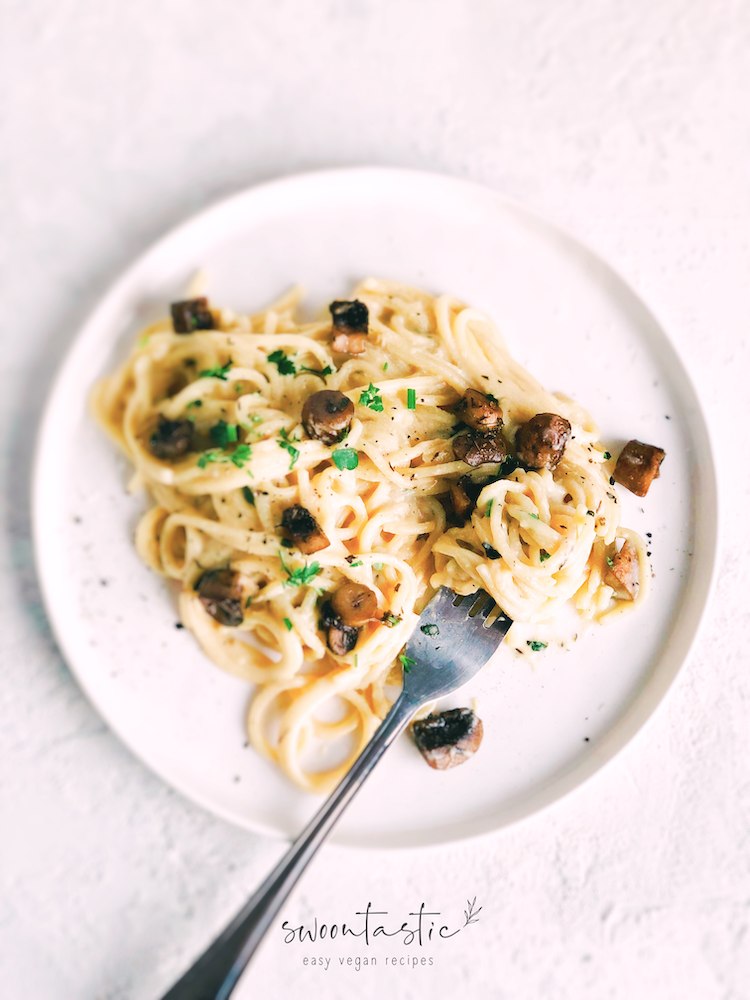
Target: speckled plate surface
x=567 y=316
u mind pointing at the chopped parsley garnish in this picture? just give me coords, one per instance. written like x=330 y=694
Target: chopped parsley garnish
x=607 y=456
x=288 y=624
x=391 y=620
x=238 y=386
x=211 y=456
x=411 y=399
x=371 y=398
x=194 y=403
x=223 y=433
x=240 y=455
x=216 y=372
x=406 y=662
x=377 y=565
x=320 y=372
x=488 y=509
x=543 y=555
x=385 y=367
x=248 y=602
x=355 y=564
x=284 y=364
x=248 y=495
x=610 y=562
x=535 y=516
x=429 y=629
x=285 y=442
x=300 y=577
x=536 y=645
x=287 y=543
x=345 y=458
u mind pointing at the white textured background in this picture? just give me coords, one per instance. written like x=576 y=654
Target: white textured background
x=627 y=122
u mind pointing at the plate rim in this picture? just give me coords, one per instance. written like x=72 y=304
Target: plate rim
x=707 y=521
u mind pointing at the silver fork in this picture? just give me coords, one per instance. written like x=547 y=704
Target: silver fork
x=469 y=630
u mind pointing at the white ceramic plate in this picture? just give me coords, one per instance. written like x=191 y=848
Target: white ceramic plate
x=567 y=316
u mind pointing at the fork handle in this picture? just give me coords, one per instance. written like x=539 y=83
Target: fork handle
x=215 y=974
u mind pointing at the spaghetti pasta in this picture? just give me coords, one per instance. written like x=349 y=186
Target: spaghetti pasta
x=225 y=406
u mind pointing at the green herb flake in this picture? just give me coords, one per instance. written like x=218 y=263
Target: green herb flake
x=223 y=433
x=248 y=495
x=288 y=624
x=287 y=543
x=144 y=340
x=535 y=516
x=535 y=645
x=345 y=458
x=320 y=372
x=300 y=577
x=284 y=364
x=391 y=620
x=371 y=398
x=285 y=442
x=543 y=555
x=429 y=629
x=610 y=562
x=377 y=565
x=357 y=563
x=216 y=372
x=240 y=455
x=411 y=399
x=607 y=456
x=406 y=662
x=195 y=404
x=248 y=602
x=488 y=509
x=210 y=456
x=238 y=386
x=385 y=367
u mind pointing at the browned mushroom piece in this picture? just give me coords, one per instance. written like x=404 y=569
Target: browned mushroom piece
x=462 y=503
x=638 y=466
x=446 y=739
x=220 y=593
x=354 y=603
x=172 y=438
x=304 y=529
x=350 y=326
x=541 y=442
x=480 y=447
x=341 y=638
x=349 y=343
x=478 y=410
x=623 y=573
x=327 y=415
x=190 y=315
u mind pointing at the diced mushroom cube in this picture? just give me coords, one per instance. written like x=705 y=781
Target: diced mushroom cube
x=354 y=603
x=327 y=416
x=638 y=466
x=479 y=447
x=446 y=739
x=304 y=529
x=172 y=438
x=623 y=573
x=341 y=638
x=541 y=442
x=190 y=315
x=478 y=410
x=220 y=593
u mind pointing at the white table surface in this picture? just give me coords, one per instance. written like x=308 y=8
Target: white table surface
x=629 y=124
